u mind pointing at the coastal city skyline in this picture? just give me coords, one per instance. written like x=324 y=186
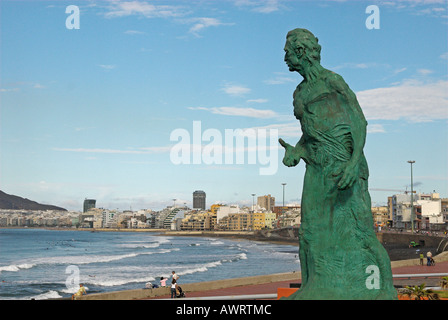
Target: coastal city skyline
x=95 y=102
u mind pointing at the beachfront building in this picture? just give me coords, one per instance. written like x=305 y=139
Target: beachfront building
x=38 y=218
x=161 y=217
x=236 y=222
x=380 y=216
x=444 y=205
x=262 y=220
x=267 y=202
x=199 y=221
x=174 y=214
x=429 y=214
x=279 y=210
x=109 y=218
x=269 y=220
x=224 y=210
x=257 y=221
x=290 y=218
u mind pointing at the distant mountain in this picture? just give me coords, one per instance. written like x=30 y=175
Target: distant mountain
x=8 y=201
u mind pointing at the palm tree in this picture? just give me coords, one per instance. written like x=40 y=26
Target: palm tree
x=419 y=293
x=444 y=282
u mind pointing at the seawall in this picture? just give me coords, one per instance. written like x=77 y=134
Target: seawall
x=405 y=238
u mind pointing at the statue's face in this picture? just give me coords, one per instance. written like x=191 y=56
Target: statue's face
x=294 y=57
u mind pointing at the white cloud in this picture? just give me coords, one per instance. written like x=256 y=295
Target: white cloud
x=242 y=112
x=257 y=100
x=107 y=66
x=411 y=100
x=424 y=71
x=235 y=90
x=127 y=8
x=280 y=79
x=202 y=23
x=9 y=89
x=289 y=129
x=420 y=7
x=444 y=56
x=132 y=32
x=375 y=128
x=146 y=150
x=261 y=6
x=148 y=10
x=268 y=7
x=397 y=71
x=359 y=65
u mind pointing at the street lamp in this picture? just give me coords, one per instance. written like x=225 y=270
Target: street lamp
x=412 y=197
x=283 y=184
x=253 y=202
x=253 y=210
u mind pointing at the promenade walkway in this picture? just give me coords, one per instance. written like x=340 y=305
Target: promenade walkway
x=271 y=288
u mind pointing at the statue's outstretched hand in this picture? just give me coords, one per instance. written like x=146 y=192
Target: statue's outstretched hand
x=291 y=157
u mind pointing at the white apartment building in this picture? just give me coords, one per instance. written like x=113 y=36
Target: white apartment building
x=224 y=211
x=109 y=219
x=427 y=211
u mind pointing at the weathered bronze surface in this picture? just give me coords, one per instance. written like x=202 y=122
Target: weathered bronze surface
x=340 y=256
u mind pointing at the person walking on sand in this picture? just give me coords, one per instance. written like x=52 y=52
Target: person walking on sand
x=80 y=292
x=173 y=288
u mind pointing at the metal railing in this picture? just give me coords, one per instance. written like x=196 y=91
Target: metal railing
x=419 y=275
x=267 y=296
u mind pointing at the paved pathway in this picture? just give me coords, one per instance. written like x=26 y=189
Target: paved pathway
x=271 y=288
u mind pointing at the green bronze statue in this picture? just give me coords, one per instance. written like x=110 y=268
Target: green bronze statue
x=340 y=256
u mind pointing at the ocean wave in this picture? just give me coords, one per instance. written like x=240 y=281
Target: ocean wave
x=79 y=260
x=200 y=268
x=16 y=267
x=206 y=266
x=240 y=256
x=139 y=245
x=110 y=282
x=52 y=294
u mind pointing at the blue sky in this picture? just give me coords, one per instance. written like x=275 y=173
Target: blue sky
x=89 y=112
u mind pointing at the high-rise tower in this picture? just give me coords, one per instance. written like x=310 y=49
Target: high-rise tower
x=89 y=204
x=199 y=199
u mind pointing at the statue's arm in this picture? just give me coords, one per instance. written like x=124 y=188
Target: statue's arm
x=293 y=154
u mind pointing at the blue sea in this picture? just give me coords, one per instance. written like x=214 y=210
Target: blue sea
x=42 y=264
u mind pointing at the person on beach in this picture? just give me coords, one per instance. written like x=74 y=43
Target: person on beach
x=80 y=292
x=173 y=288
x=163 y=281
x=175 y=276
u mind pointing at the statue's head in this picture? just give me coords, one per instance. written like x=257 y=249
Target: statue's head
x=301 y=50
